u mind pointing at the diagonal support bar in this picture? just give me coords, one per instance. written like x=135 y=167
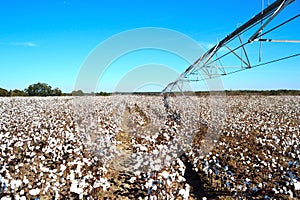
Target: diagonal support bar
x=239 y=57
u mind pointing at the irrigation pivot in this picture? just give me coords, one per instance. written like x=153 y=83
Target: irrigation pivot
x=234 y=47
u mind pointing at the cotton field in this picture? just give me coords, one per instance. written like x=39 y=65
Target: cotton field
x=133 y=147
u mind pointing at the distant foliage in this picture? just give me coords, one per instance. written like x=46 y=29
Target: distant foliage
x=102 y=94
x=56 y=92
x=17 y=93
x=3 y=92
x=263 y=92
x=39 y=89
x=42 y=89
x=77 y=93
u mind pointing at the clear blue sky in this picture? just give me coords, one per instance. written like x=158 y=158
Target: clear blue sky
x=48 y=40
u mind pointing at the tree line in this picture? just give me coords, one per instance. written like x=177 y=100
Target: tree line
x=43 y=89
x=37 y=89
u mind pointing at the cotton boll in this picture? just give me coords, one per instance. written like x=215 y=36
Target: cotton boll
x=15 y=184
x=132 y=179
x=181 y=179
x=155 y=152
x=291 y=193
x=34 y=192
x=185 y=192
x=297 y=185
x=25 y=180
x=165 y=174
x=6 y=198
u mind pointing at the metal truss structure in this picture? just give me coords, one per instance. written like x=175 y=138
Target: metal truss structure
x=234 y=46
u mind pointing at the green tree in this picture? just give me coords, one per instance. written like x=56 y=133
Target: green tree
x=102 y=94
x=39 y=89
x=3 y=92
x=56 y=92
x=17 y=92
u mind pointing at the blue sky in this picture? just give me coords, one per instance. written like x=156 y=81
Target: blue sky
x=49 y=40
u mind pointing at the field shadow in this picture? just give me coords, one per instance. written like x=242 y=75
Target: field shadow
x=193 y=178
